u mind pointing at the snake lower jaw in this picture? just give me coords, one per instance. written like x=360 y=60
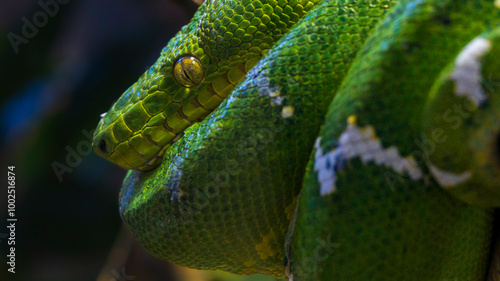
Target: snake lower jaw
x=154 y=161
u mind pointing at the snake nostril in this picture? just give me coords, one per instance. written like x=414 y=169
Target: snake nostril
x=102 y=146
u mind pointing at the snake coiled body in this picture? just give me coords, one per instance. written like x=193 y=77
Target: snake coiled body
x=324 y=140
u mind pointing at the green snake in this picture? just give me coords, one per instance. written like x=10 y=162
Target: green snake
x=319 y=140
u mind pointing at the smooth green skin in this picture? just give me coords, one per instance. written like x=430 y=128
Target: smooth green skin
x=224 y=194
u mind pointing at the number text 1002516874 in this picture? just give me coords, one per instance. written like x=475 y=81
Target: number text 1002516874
x=11 y=219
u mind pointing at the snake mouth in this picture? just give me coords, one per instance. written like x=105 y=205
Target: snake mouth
x=138 y=138
x=155 y=160
x=138 y=152
x=142 y=148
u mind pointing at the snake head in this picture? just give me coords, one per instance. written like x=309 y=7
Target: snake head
x=195 y=72
x=153 y=113
x=462 y=124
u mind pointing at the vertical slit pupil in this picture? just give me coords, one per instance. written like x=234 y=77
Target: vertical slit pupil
x=187 y=75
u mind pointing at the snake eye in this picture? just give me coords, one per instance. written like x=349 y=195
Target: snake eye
x=188 y=71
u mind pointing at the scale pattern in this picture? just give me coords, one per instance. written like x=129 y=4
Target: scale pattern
x=227 y=38
x=384 y=223
x=227 y=154
x=226 y=194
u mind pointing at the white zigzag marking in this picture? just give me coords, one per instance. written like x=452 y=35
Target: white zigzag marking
x=467 y=72
x=364 y=144
x=448 y=179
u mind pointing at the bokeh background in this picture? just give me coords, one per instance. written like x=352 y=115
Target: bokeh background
x=56 y=77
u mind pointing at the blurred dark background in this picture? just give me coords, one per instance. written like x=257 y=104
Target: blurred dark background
x=62 y=64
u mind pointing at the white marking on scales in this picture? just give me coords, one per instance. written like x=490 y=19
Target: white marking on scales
x=448 y=179
x=265 y=90
x=287 y=111
x=467 y=72
x=356 y=142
